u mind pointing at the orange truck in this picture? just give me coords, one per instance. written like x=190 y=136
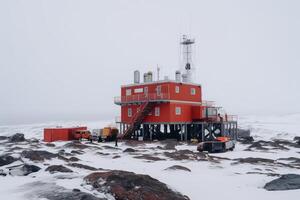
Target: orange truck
x=82 y=134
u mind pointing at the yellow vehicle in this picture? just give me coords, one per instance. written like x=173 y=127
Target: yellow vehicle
x=109 y=133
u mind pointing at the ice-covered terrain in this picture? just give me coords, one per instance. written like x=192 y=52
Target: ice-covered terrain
x=214 y=176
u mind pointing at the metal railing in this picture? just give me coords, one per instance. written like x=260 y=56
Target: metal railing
x=208 y=103
x=142 y=98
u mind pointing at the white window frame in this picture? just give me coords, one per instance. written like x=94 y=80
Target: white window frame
x=177 y=110
x=177 y=89
x=128 y=92
x=129 y=112
x=193 y=91
x=158 y=90
x=157 y=111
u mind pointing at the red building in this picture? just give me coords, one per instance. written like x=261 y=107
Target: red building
x=170 y=108
x=175 y=101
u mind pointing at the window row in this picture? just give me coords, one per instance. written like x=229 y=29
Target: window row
x=158 y=90
x=156 y=111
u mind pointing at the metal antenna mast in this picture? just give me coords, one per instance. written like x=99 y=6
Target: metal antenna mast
x=187 y=54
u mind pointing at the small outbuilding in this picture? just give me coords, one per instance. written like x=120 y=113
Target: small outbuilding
x=60 y=134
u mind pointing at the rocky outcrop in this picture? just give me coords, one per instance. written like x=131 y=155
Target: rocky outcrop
x=128 y=185
x=23 y=170
x=297 y=139
x=178 y=167
x=82 y=166
x=129 y=150
x=6 y=160
x=269 y=145
x=3 y=137
x=58 y=168
x=18 y=137
x=186 y=155
x=36 y=155
x=149 y=157
x=76 y=145
x=285 y=182
x=242 y=133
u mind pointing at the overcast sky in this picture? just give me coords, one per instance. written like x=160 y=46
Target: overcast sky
x=66 y=60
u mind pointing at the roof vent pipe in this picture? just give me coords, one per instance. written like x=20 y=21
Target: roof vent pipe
x=178 y=76
x=150 y=76
x=145 y=77
x=136 y=77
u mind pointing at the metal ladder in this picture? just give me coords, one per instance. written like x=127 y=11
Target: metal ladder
x=137 y=119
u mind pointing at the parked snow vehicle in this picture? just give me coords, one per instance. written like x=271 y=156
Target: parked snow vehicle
x=220 y=144
x=109 y=133
x=82 y=134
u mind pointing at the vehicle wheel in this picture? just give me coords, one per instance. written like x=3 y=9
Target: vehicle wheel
x=232 y=148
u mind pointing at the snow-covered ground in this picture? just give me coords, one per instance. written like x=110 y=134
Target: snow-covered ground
x=222 y=179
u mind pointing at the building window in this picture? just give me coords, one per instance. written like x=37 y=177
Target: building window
x=158 y=90
x=193 y=91
x=129 y=112
x=157 y=111
x=178 y=110
x=128 y=92
x=146 y=90
x=177 y=89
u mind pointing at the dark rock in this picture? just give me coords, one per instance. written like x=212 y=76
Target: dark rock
x=58 y=168
x=134 y=143
x=128 y=185
x=51 y=191
x=77 y=152
x=3 y=137
x=50 y=144
x=148 y=157
x=61 y=152
x=23 y=170
x=37 y=155
x=103 y=154
x=18 y=137
x=243 y=133
x=2 y=174
x=285 y=182
x=117 y=156
x=82 y=166
x=246 y=140
x=6 y=160
x=170 y=144
x=110 y=147
x=261 y=173
x=251 y=160
x=297 y=139
x=129 y=150
x=76 y=145
x=262 y=161
x=274 y=145
x=69 y=195
x=186 y=155
x=287 y=143
x=73 y=159
x=178 y=167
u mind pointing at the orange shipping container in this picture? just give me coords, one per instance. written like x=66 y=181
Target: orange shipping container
x=60 y=134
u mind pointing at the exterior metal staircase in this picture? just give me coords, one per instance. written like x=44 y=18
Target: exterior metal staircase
x=137 y=119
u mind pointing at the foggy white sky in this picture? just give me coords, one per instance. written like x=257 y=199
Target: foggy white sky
x=65 y=60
